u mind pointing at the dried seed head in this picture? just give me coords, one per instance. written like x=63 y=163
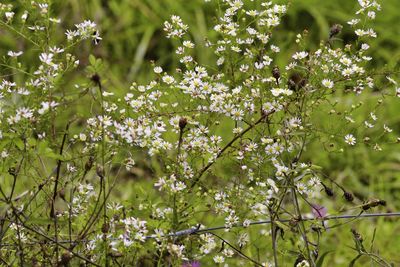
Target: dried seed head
x=182 y=123
x=61 y=193
x=335 y=29
x=348 y=196
x=299 y=260
x=276 y=73
x=95 y=78
x=115 y=254
x=65 y=258
x=296 y=81
x=12 y=171
x=89 y=164
x=105 y=228
x=328 y=190
x=356 y=235
x=293 y=222
x=100 y=171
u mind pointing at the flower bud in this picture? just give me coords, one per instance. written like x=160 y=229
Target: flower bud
x=89 y=164
x=100 y=171
x=12 y=171
x=328 y=190
x=335 y=29
x=61 y=193
x=95 y=78
x=348 y=196
x=105 y=228
x=182 y=123
x=276 y=73
x=65 y=258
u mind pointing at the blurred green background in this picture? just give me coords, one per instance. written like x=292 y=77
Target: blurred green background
x=132 y=32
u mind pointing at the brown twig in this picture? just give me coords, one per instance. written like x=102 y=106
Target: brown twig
x=205 y=168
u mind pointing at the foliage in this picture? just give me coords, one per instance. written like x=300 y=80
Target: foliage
x=238 y=117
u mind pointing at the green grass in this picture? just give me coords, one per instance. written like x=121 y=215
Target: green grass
x=133 y=36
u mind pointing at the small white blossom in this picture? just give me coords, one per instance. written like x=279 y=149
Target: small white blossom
x=46 y=58
x=350 y=139
x=14 y=54
x=327 y=83
x=9 y=15
x=158 y=70
x=219 y=259
x=300 y=55
x=168 y=79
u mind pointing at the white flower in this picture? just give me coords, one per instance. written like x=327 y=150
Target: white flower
x=364 y=46
x=46 y=106
x=327 y=83
x=246 y=223
x=188 y=44
x=359 y=32
x=353 y=21
x=347 y=72
x=4 y=154
x=345 y=61
x=275 y=49
x=303 y=263
x=71 y=34
x=179 y=186
x=387 y=129
x=391 y=80
x=14 y=54
x=25 y=113
x=82 y=137
x=371 y=14
x=364 y=3
x=350 y=139
x=219 y=259
x=9 y=15
x=24 y=16
x=56 y=50
x=220 y=61
x=44 y=8
x=276 y=91
x=302 y=188
x=368 y=125
x=300 y=55
x=237 y=114
x=46 y=58
x=168 y=79
x=158 y=70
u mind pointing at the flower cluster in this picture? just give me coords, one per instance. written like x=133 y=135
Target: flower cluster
x=230 y=139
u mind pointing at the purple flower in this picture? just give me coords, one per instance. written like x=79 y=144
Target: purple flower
x=319 y=211
x=191 y=264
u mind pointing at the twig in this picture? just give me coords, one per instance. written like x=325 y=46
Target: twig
x=338 y=217
x=197 y=230
x=202 y=171
x=59 y=244
x=238 y=251
x=55 y=190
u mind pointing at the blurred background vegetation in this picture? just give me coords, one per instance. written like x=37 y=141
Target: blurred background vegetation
x=132 y=32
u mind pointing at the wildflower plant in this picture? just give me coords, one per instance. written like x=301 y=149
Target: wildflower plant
x=228 y=140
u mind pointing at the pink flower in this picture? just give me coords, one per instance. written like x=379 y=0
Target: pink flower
x=319 y=211
x=191 y=264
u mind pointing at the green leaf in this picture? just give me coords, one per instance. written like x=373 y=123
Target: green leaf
x=44 y=150
x=351 y=264
x=281 y=225
x=31 y=142
x=19 y=143
x=92 y=60
x=45 y=221
x=322 y=258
